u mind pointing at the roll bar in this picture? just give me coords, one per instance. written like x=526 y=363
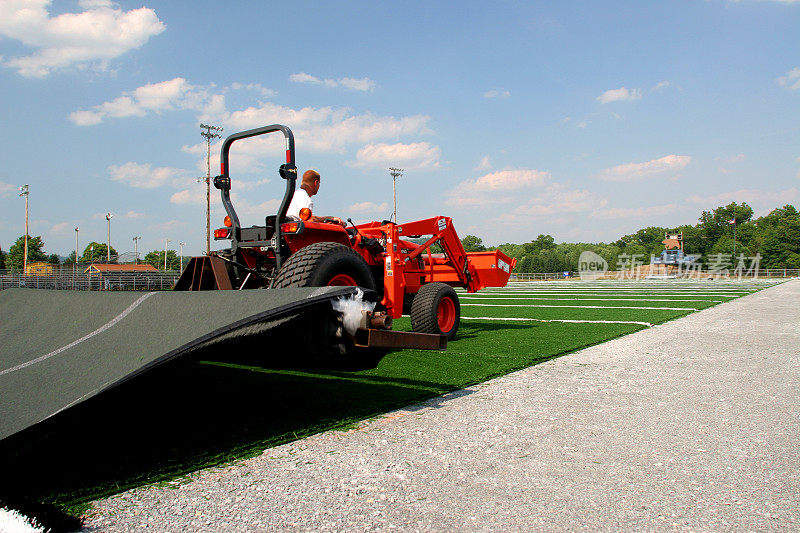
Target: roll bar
x=287 y=171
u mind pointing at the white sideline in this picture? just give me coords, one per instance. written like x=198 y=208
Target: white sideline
x=490 y=297
x=648 y=324
x=99 y=330
x=584 y=307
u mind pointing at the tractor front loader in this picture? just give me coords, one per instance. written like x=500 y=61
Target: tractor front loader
x=408 y=268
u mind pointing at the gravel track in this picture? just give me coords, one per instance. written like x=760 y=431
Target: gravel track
x=690 y=425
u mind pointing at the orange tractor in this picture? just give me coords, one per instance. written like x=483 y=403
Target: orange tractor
x=406 y=268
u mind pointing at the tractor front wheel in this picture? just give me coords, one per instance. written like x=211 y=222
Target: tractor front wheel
x=436 y=309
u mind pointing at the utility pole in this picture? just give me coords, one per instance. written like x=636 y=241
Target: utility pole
x=210 y=133
x=109 y=216
x=166 y=241
x=182 y=244
x=395 y=173
x=77 y=229
x=25 y=192
x=136 y=249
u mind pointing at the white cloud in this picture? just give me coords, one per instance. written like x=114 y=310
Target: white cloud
x=791 y=79
x=243 y=185
x=302 y=77
x=483 y=164
x=63 y=228
x=167 y=95
x=167 y=228
x=637 y=171
x=496 y=186
x=618 y=95
x=414 y=156
x=143 y=176
x=322 y=130
x=6 y=188
x=133 y=215
x=316 y=129
x=755 y=197
x=189 y=196
x=356 y=84
x=557 y=199
x=496 y=93
x=509 y=180
x=636 y=212
x=661 y=85
x=368 y=208
x=94 y=36
x=257 y=87
x=729 y=163
x=245 y=208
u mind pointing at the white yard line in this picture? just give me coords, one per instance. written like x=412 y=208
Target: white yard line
x=648 y=324
x=489 y=297
x=643 y=295
x=584 y=307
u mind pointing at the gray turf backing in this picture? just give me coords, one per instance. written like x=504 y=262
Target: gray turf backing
x=58 y=348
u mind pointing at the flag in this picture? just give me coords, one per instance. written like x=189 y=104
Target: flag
x=732 y=221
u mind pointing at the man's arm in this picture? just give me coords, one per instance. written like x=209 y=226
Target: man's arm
x=329 y=220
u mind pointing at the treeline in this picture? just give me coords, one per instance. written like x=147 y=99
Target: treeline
x=775 y=237
x=95 y=252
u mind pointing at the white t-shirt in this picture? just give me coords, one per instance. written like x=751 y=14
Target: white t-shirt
x=300 y=200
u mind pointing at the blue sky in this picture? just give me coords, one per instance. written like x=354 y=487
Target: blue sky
x=583 y=120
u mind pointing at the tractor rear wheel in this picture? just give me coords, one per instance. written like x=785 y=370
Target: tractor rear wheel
x=436 y=309
x=330 y=264
x=325 y=264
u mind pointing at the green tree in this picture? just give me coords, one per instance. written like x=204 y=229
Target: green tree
x=2 y=259
x=53 y=259
x=540 y=243
x=97 y=252
x=156 y=258
x=714 y=224
x=70 y=260
x=472 y=243
x=782 y=244
x=17 y=252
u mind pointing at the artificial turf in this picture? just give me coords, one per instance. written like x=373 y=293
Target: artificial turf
x=207 y=411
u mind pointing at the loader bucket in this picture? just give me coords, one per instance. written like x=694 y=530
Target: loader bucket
x=493 y=268
x=59 y=348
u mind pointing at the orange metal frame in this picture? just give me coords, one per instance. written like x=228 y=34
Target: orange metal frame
x=407 y=266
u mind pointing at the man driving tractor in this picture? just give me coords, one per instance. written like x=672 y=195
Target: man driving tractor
x=302 y=199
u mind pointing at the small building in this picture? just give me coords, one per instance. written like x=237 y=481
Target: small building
x=40 y=268
x=110 y=268
x=126 y=276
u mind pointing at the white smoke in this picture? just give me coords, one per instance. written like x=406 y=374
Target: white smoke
x=351 y=307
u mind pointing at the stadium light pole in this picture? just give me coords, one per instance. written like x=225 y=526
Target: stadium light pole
x=136 y=249
x=25 y=192
x=395 y=173
x=210 y=133
x=109 y=216
x=166 y=241
x=182 y=244
x=77 y=229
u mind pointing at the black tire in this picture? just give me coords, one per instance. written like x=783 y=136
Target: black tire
x=426 y=308
x=319 y=263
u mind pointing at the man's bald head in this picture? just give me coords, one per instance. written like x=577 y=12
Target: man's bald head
x=311 y=182
x=310 y=177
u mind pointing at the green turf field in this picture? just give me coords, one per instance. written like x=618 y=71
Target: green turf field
x=225 y=406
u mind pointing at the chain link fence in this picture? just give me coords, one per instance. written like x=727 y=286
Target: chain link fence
x=67 y=278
